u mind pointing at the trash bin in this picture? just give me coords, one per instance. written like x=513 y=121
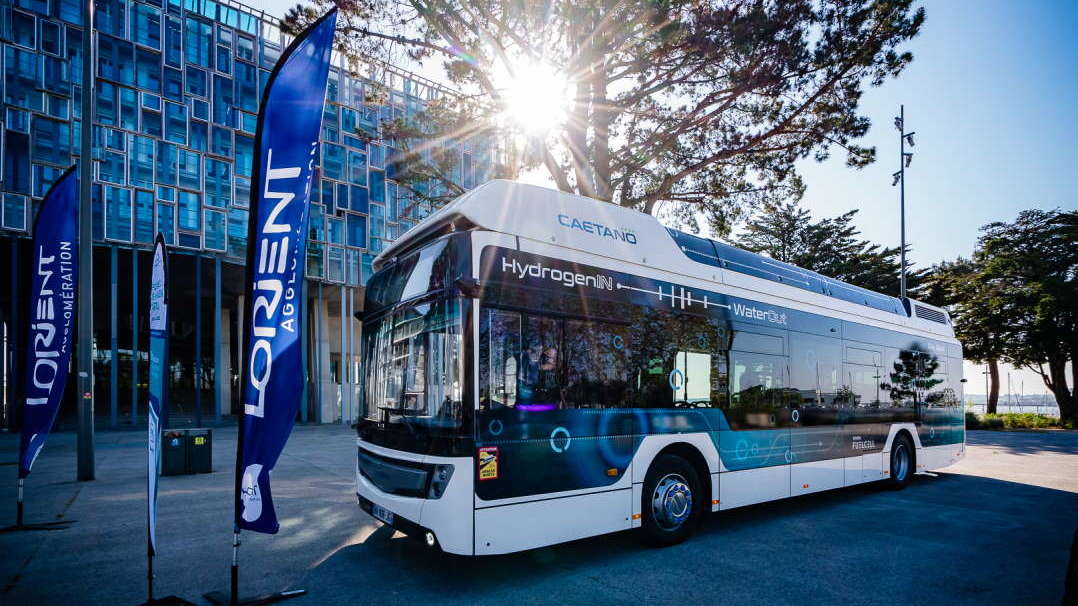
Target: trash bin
x=173 y=452
x=200 y=450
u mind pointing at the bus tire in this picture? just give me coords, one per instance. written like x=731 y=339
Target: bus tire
x=671 y=502
x=903 y=462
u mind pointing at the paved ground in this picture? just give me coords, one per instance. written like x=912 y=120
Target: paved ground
x=994 y=529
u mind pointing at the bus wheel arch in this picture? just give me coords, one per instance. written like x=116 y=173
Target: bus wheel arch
x=902 y=460
x=677 y=471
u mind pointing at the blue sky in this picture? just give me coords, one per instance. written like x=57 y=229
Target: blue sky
x=993 y=96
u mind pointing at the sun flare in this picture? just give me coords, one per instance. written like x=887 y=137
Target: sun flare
x=536 y=98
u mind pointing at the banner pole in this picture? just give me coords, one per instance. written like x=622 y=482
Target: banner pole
x=149 y=576
x=235 y=581
x=18 y=505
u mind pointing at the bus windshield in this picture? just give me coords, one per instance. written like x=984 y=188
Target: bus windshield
x=413 y=351
x=413 y=369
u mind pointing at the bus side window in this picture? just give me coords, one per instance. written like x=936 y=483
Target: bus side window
x=499 y=351
x=596 y=364
x=757 y=389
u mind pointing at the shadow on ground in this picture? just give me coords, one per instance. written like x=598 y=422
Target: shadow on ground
x=955 y=538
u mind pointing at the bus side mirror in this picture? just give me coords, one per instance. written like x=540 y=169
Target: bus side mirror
x=469 y=287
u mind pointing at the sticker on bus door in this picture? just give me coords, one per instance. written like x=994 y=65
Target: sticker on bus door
x=488 y=463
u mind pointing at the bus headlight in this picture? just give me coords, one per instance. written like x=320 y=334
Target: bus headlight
x=439 y=479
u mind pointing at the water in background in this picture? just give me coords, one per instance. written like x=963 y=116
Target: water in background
x=1044 y=404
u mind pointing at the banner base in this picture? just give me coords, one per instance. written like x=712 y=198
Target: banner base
x=57 y=525
x=222 y=598
x=168 y=601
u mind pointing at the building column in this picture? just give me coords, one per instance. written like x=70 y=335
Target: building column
x=198 y=341
x=134 y=336
x=343 y=370
x=319 y=331
x=218 y=366
x=301 y=301
x=14 y=363
x=114 y=325
x=241 y=341
x=224 y=369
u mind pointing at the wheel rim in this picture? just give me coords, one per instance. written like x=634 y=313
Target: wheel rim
x=902 y=462
x=671 y=503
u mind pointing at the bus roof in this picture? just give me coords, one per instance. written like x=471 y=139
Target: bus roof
x=573 y=221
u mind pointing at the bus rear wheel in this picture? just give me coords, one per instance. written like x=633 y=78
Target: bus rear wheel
x=903 y=462
x=671 y=501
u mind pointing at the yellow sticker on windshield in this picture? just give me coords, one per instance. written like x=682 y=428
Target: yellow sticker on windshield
x=488 y=463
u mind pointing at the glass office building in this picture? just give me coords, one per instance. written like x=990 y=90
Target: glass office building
x=178 y=83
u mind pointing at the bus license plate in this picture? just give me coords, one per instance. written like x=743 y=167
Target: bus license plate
x=382 y=513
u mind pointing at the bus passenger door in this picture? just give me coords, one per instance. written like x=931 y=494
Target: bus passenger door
x=760 y=413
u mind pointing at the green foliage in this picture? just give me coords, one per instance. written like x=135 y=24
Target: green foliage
x=830 y=246
x=1013 y=420
x=1016 y=300
x=700 y=110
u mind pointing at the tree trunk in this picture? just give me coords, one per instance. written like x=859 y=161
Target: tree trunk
x=993 y=387
x=1057 y=370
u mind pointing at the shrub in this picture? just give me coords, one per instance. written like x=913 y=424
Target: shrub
x=1011 y=420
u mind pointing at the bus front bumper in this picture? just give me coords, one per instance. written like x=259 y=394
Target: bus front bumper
x=449 y=518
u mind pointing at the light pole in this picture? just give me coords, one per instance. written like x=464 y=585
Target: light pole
x=85 y=382
x=904 y=159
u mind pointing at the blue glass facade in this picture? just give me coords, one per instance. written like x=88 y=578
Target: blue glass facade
x=177 y=89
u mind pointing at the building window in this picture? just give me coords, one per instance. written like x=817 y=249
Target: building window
x=166 y=163
x=118 y=214
x=115 y=60
x=140 y=161
x=378 y=186
x=17 y=162
x=199 y=42
x=222 y=100
x=357 y=231
x=173 y=86
x=23 y=29
x=215 y=229
x=333 y=161
x=173 y=42
x=21 y=75
x=148 y=70
x=166 y=222
x=237 y=233
x=247 y=86
x=52 y=141
x=190 y=170
x=189 y=210
x=218 y=183
x=111 y=168
x=14 y=211
x=110 y=16
x=198 y=135
x=245 y=153
x=146 y=26
x=176 y=123
x=360 y=199
x=222 y=141
x=151 y=123
x=143 y=216
x=128 y=108
x=357 y=167
x=43 y=176
x=196 y=82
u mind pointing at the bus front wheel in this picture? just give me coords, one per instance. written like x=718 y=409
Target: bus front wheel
x=672 y=499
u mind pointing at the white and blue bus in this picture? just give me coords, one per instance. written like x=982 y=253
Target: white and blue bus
x=541 y=367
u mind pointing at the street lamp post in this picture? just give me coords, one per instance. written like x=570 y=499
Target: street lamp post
x=904 y=159
x=85 y=442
